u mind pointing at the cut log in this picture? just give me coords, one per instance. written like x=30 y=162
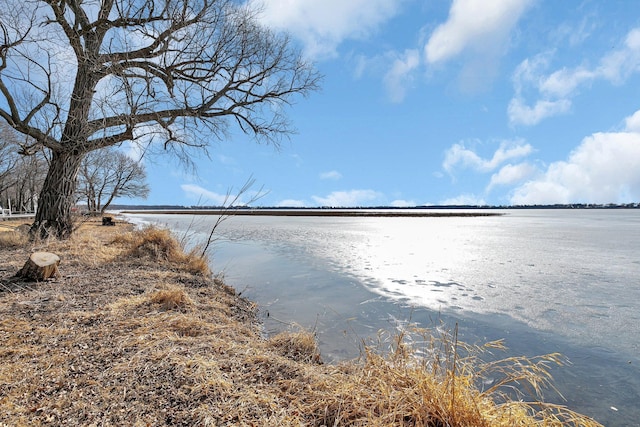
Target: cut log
x=40 y=266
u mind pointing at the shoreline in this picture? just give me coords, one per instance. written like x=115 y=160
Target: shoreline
x=313 y=212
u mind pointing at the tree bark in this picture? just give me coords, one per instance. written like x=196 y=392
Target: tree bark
x=53 y=217
x=40 y=266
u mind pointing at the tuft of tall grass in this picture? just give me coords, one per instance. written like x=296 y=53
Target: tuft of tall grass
x=13 y=239
x=172 y=298
x=299 y=346
x=434 y=380
x=13 y=234
x=158 y=244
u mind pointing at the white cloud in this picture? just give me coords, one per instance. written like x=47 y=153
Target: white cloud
x=207 y=197
x=332 y=175
x=602 y=169
x=529 y=71
x=323 y=25
x=403 y=203
x=556 y=88
x=458 y=154
x=474 y=24
x=520 y=113
x=464 y=199
x=617 y=66
x=134 y=150
x=400 y=76
x=291 y=203
x=632 y=122
x=511 y=174
x=564 y=82
x=575 y=34
x=349 y=198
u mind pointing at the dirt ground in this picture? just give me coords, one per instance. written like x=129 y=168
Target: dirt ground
x=117 y=339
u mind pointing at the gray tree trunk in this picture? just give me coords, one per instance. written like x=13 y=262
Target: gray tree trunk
x=53 y=217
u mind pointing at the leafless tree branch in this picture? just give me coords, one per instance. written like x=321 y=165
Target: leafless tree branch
x=78 y=76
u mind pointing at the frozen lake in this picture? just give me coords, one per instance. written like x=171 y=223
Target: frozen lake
x=546 y=281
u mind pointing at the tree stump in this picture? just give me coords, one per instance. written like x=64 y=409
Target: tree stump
x=40 y=266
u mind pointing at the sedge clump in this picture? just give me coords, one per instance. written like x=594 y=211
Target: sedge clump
x=159 y=244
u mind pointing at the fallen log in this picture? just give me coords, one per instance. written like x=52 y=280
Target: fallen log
x=40 y=266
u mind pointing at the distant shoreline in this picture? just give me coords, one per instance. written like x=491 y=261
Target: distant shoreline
x=312 y=212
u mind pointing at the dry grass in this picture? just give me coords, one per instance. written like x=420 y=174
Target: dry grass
x=173 y=298
x=13 y=239
x=435 y=381
x=13 y=234
x=128 y=335
x=160 y=245
x=300 y=346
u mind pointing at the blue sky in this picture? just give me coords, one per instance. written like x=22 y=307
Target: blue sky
x=443 y=102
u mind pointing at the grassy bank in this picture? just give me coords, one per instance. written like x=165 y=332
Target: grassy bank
x=136 y=332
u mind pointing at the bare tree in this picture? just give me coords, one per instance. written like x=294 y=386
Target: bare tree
x=107 y=174
x=30 y=172
x=21 y=176
x=78 y=76
x=8 y=158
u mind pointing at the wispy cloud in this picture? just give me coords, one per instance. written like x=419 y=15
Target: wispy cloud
x=348 y=198
x=554 y=90
x=403 y=203
x=401 y=75
x=331 y=175
x=520 y=113
x=602 y=169
x=207 y=197
x=461 y=156
x=226 y=160
x=291 y=203
x=464 y=199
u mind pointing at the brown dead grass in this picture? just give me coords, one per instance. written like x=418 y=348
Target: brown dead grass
x=13 y=233
x=160 y=245
x=173 y=298
x=131 y=335
x=300 y=346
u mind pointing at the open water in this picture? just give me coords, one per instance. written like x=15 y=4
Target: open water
x=545 y=281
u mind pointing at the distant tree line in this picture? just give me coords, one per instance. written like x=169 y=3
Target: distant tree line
x=103 y=176
x=21 y=177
